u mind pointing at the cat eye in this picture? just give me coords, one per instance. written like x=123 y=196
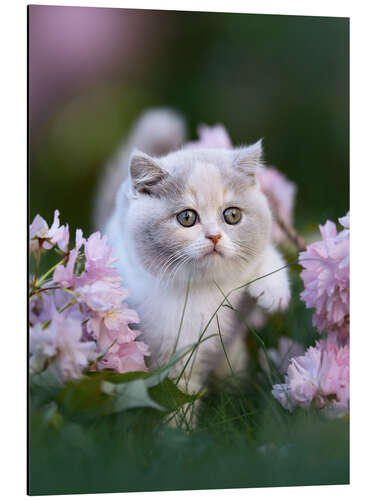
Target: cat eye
x=187 y=218
x=232 y=215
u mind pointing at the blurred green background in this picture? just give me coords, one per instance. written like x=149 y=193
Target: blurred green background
x=93 y=71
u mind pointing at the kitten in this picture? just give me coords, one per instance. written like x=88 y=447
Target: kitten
x=196 y=218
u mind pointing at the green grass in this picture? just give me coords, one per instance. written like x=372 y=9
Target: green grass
x=240 y=442
x=243 y=439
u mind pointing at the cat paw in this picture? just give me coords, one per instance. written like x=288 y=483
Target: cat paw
x=271 y=296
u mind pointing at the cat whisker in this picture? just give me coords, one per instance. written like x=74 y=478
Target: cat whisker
x=178 y=267
x=164 y=277
x=171 y=259
x=174 y=273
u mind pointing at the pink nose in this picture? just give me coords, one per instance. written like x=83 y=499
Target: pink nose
x=214 y=238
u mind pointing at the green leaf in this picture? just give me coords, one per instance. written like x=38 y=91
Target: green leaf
x=85 y=398
x=119 y=378
x=104 y=393
x=133 y=394
x=170 y=396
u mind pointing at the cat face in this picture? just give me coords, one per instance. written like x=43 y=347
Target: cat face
x=197 y=213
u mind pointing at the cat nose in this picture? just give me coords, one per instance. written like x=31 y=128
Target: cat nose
x=214 y=237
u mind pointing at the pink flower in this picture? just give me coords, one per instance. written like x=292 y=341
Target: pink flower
x=62 y=240
x=38 y=228
x=99 y=262
x=80 y=240
x=344 y=221
x=65 y=274
x=56 y=234
x=281 y=392
x=112 y=327
x=60 y=344
x=319 y=377
x=304 y=373
x=100 y=295
x=336 y=371
x=129 y=357
x=281 y=194
x=42 y=347
x=41 y=307
x=87 y=319
x=97 y=250
x=211 y=137
x=286 y=350
x=72 y=354
x=326 y=279
x=121 y=315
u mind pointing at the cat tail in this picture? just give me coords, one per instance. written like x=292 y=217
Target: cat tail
x=157 y=132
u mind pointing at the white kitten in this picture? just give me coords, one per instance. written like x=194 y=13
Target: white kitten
x=194 y=217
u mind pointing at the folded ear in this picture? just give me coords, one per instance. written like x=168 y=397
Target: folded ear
x=248 y=158
x=145 y=172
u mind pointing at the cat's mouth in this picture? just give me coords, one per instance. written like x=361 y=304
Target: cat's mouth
x=213 y=251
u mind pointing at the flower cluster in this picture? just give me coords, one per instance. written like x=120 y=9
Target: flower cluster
x=279 y=190
x=211 y=137
x=55 y=235
x=321 y=376
x=78 y=319
x=326 y=279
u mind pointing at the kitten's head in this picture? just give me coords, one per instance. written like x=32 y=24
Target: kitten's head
x=197 y=213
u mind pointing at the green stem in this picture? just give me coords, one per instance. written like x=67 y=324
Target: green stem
x=252 y=331
x=223 y=346
x=50 y=271
x=71 y=302
x=36 y=291
x=46 y=324
x=182 y=317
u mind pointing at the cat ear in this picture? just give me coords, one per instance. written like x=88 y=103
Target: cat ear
x=248 y=158
x=144 y=171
